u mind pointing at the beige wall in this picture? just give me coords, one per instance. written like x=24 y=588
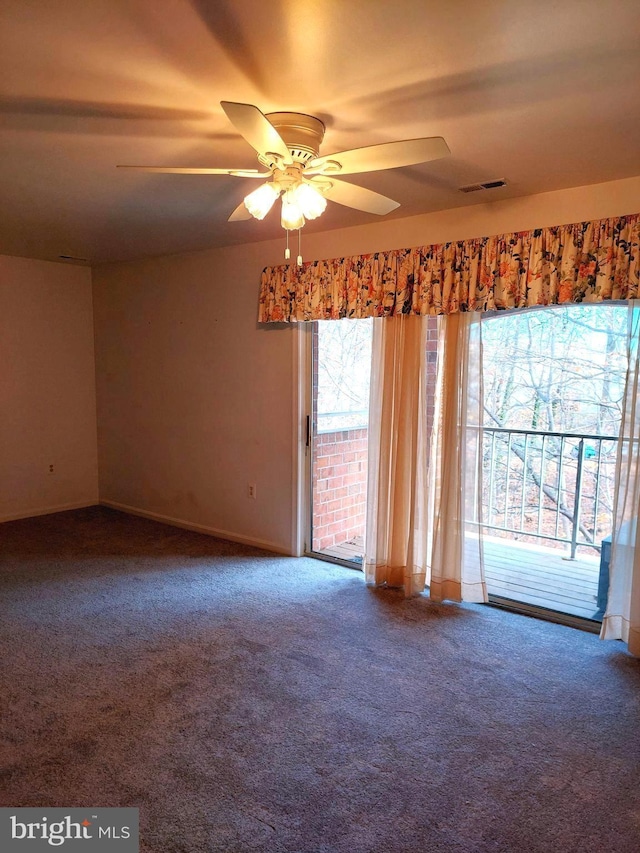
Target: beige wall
x=596 y=201
x=47 y=388
x=195 y=401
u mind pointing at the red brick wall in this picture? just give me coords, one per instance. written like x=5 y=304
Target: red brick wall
x=339 y=487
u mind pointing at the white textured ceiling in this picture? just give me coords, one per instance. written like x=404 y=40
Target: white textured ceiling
x=545 y=94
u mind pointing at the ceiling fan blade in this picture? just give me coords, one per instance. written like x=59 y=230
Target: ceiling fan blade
x=358 y=197
x=240 y=213
x=256 y=128
x=388 y=155
x=175 y=170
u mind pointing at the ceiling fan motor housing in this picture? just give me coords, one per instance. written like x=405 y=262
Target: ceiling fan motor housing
x=301 y=133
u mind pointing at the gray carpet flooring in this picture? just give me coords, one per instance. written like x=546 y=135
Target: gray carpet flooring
x=249 y=702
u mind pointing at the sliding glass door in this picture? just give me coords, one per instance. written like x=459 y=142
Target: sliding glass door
x=553 y=386
x=341 y=370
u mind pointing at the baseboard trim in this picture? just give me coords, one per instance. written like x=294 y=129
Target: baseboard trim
x=46 y=510
x=264 y=544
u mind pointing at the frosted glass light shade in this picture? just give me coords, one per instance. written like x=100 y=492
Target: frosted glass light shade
x=292 y=216
x=260 y=201
x=310 y=201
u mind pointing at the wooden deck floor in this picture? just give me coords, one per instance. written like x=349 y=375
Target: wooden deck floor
x=525 y=573
x=351 y=551
x=540 y=576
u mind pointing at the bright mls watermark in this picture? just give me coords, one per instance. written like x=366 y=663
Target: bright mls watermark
x=80 y=830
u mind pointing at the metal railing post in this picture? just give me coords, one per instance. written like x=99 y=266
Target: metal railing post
x=576 y=503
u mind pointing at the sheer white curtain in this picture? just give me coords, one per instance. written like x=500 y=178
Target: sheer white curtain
x=622 y=617
x=396 y=534
x=455 y=505
x=424 y=488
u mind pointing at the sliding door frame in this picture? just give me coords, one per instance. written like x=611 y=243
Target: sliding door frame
x=302 y=334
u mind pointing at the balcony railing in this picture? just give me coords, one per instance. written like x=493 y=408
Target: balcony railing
x=549 y=485
x=336 y=421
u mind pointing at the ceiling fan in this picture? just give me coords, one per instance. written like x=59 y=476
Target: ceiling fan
x=288 y=146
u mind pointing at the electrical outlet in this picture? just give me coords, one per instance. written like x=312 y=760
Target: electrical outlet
x=251 y=491
x=51 y=470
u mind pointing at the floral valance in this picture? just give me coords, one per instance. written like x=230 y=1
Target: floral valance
x=582 y=262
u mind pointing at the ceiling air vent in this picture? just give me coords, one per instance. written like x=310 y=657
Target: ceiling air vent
x=487 y=185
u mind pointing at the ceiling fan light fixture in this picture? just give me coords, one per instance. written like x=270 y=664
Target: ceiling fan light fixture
x=312 y=203
x=292 y=216
x=260 y=201
x=288 y=147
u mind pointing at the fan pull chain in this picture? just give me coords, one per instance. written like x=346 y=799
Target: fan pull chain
x=287 y=251
x=299 y=259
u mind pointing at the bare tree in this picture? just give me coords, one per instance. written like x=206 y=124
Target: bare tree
x=343 y=368
x=561 y=371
